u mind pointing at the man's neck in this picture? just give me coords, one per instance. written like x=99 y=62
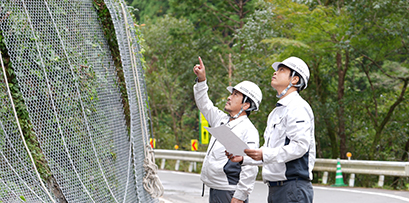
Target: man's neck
x=291 y=90
x=233 y=114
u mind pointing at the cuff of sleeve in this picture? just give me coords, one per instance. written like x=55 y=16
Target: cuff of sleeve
x=246 y=160
x=269 y=155
x=200 y=83
x=241 y=195
x=249 y=161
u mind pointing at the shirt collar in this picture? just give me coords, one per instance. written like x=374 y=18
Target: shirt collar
x=287 y=99
x=236 y=121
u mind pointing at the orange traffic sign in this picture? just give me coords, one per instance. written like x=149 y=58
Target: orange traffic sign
x=152 y=142
x=194 y=144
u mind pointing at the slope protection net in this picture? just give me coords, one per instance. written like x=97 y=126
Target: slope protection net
x=69 y=85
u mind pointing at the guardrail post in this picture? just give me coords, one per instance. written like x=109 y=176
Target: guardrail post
x=381 y=179
x=162 y=165
x=352 y=180
x=191 y=166
x=325 y=177
x=177 y=165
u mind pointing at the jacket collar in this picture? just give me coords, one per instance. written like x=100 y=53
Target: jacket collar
x=236 y=121
x=287 y=99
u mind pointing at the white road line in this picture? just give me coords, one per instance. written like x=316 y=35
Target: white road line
x=363 y=192
x=182 y=173
x=161 y=200
x=315 y=187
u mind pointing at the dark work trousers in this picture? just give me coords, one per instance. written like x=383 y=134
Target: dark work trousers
x=221 y=196
x=299 y=191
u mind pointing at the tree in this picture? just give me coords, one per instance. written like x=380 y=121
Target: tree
x=217 y=21
x=332 y=45
x=321 y=37
x=170 y=53
x=145 y=9
x=172 y=47
x=356 y=51
x=384 y=63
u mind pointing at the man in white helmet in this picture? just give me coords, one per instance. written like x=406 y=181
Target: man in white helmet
x=288 y=154
x=229 y=182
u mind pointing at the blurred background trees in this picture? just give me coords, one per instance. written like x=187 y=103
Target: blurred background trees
x=357 y=52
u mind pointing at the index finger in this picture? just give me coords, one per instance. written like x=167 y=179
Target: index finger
x=201 y=62
x=248 y=150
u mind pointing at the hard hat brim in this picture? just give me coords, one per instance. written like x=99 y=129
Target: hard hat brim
x=230 y=89
x=277 y=64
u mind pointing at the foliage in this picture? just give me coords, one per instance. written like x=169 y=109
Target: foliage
x=109 y=33
x=23 y=115
x=178 y=41
x=87 y=83
x=335 y=39
x=169 y=56
x=326 y=39
x=146 y=9
x=384 y=63
x=356 y=50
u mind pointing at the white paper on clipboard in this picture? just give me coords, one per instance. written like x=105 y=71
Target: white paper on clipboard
x=229 y=140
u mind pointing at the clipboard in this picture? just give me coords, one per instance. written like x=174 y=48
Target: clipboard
x=229 y=140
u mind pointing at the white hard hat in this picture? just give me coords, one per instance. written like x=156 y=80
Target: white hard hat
x=298 y=65
x=249 y=89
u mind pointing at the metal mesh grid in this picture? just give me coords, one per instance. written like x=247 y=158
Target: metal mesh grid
x=69 y=85
x=133 y=73
x=17 y=177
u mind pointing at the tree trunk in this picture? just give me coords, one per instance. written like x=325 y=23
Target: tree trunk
x=333 y=138
x=230 y=69
x=341 y=107
x=405 y=153
x=56 y=190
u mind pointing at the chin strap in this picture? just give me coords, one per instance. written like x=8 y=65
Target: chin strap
x=241 y=110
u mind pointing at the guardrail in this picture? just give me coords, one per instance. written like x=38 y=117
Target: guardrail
x=380 y=168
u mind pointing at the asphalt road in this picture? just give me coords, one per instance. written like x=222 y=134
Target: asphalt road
x=183 y=187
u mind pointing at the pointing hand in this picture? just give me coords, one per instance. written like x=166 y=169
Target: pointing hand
x=200 y=71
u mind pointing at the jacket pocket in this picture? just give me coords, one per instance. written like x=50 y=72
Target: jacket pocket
x=279 y=129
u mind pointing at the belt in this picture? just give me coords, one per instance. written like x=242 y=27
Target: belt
x=280 y=183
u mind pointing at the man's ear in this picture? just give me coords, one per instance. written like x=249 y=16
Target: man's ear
x=295 y=80
x=246 y=106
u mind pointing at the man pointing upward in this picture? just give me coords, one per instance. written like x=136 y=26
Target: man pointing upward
x=229 y=182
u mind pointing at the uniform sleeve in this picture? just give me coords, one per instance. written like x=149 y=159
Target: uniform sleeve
x=249 y=161
x=248 y=173
x=205 y=105
x=298 y=131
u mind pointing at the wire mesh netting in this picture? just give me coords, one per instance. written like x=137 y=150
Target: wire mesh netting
x=130 y=51
x=67 y=79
